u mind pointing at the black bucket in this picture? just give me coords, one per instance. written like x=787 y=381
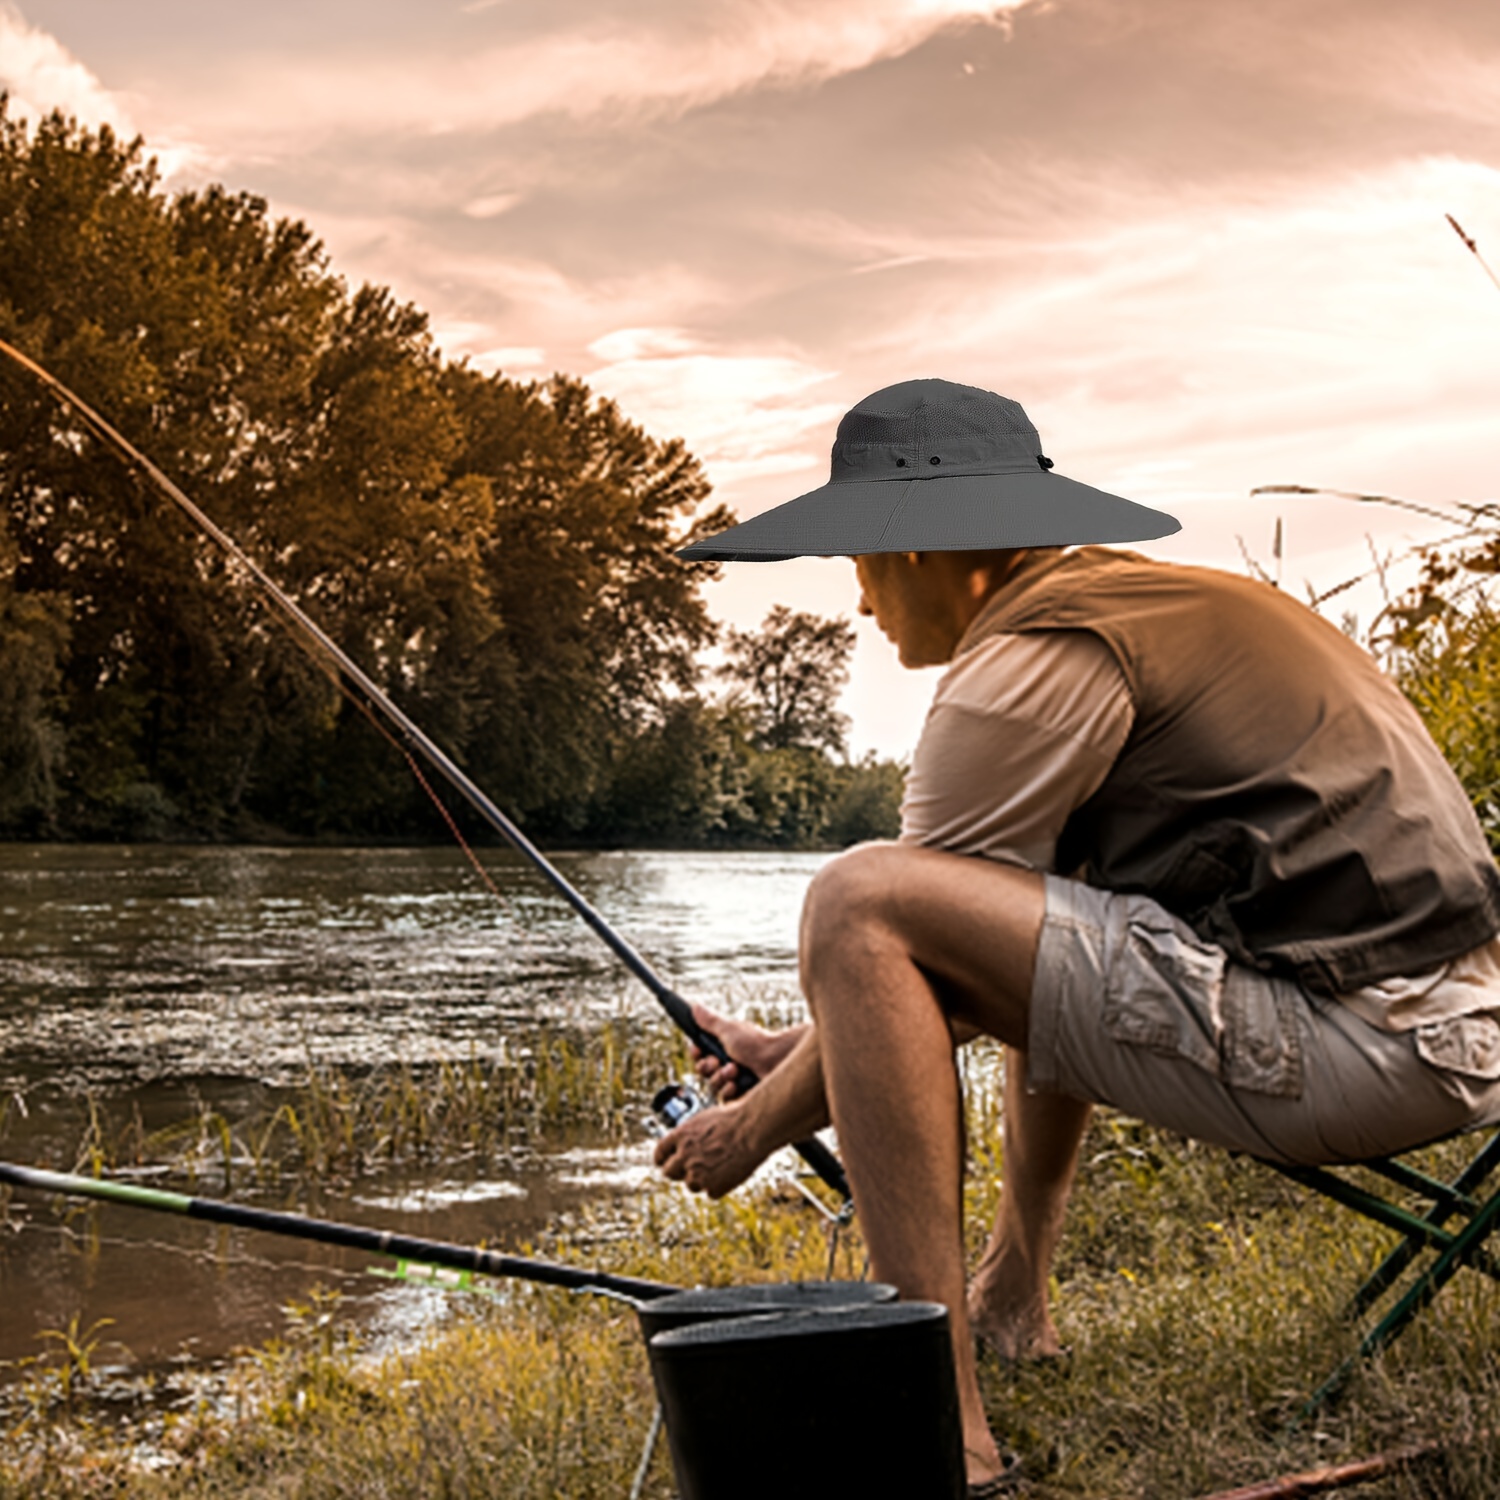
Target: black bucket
x=851 y=1401
x=711 y=1304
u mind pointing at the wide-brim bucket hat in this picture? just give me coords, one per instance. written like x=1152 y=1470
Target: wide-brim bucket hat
x=930 y=466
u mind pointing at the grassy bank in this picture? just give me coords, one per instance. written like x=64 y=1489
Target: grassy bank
x=1199 y=1294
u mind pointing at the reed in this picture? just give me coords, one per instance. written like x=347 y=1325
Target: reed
x=338 y=1123
x=1199 y=1293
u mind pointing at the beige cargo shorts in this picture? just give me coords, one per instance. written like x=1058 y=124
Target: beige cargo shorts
x=1131 y=1008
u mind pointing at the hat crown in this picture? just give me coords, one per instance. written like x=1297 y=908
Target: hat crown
x=925 y=429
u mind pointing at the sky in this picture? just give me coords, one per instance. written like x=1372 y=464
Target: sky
x=1202 y=241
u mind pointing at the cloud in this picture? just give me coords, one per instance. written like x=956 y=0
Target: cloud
x=491 y=205
x=746 y=415
x=636 y=344
x=40 y=75
x=526 y=360
x=520 y=62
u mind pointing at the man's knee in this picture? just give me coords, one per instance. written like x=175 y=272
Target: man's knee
x=853 y=888
x=971 y=925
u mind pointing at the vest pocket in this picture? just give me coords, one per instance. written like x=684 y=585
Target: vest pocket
x=1167 y=990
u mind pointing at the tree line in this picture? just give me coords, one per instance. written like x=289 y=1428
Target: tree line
x=496 y=554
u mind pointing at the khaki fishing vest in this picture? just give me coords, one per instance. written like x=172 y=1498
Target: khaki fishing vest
x=1277 y=792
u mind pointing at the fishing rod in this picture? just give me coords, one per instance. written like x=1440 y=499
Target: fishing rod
x=345 y=672
x=403 y=1247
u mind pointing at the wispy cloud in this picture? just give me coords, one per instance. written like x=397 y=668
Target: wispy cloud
x=647 y=60
x=40 y=75
x=746 y=415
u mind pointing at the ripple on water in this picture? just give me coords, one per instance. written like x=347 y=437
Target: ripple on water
x=188 y=974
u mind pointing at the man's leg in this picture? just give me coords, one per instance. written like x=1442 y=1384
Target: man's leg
x=886 y=929
x=1008 y=1294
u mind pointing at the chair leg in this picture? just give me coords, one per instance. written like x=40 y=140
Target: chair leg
x=1463 y=1247
x=1451 y=1198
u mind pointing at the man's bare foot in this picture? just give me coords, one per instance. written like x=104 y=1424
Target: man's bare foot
x=760 y=1050
x=1008 y=1311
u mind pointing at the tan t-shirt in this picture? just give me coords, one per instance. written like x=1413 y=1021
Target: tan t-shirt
x=1024 y=728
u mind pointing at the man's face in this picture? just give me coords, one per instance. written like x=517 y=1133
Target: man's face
x=910 y=599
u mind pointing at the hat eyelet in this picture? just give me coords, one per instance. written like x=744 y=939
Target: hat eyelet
x=1044 y=462
x=934 y=460
x=900 y=463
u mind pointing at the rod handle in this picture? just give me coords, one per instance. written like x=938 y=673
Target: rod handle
x=812 y=1150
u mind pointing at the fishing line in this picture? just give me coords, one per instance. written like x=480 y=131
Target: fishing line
x=355 y=682
x=416 y=770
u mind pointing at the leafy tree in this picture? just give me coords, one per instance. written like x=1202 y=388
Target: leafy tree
x=602 y=623
x=33 y=639
x=496 y=555
x=674 y=782
x=499 y=556
x=789 y=674
x=868 y=805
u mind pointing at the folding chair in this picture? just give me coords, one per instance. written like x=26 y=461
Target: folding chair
x=1422 y=1235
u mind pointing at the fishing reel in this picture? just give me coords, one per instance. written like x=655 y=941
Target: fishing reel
x=674 y=1103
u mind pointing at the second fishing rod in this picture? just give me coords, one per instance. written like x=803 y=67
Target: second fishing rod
x=414 y=741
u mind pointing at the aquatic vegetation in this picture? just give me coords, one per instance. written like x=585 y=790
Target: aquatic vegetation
x=1200 y=1296
x=339 y=1123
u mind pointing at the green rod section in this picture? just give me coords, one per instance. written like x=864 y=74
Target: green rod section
x=328 y=1232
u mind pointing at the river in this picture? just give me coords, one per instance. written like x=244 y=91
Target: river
x=167 y=979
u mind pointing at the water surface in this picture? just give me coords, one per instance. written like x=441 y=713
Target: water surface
x=163 y=980
x=150 y=961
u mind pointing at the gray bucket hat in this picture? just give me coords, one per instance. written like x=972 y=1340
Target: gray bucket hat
x=930 y=466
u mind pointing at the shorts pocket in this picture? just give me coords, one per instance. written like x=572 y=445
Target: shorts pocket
x=1261 y=1048
x=1465 y=1044
x=1163 y=989
x=1168 y=990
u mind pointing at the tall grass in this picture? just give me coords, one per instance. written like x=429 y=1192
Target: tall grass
x=1200 y=1295
x=1450 y=670
x=338 y=1123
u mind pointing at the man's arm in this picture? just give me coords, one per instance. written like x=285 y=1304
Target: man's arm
x=717 y=1149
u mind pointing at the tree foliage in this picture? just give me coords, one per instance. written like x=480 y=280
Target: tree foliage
x=789 y=674
x=498 y=555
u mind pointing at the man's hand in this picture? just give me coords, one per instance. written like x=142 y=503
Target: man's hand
x=711 y=1152
x=714 y=1151
x=759 y=1050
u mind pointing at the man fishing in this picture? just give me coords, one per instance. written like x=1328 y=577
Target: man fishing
x=1169 y=836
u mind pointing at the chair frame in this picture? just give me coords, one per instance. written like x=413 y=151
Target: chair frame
x=1469 y=1196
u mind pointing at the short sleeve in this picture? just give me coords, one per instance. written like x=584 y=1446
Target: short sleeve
x=1023 y=729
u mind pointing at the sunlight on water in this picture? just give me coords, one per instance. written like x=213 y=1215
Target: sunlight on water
x=143 y=961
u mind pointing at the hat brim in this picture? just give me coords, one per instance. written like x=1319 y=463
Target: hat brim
x=948 y=513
